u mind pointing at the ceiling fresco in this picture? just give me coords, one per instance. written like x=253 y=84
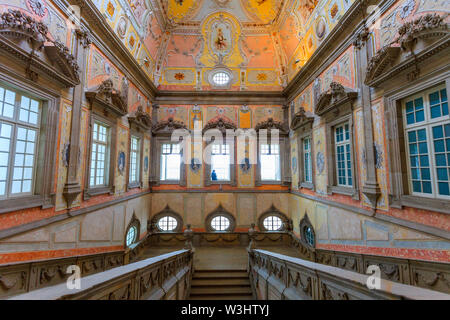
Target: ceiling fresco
x=260 y=44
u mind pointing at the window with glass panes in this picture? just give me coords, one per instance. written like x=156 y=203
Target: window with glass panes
x=170 y=161
x=270 y=162
x=135 y=147
x=307 y=166
x=343 y=155
x=99 y=155
x=427 y=138
x=19 y=135
x=220 y=161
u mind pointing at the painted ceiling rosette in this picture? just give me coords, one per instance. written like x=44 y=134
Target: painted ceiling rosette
x=263 y=10
x=179 y=11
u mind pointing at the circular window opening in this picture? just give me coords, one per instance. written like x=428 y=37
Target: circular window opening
x=221 y=78
x=309 y=236
x=220 y=223
x=131 y=236
x=272 y=223
x=167 y=223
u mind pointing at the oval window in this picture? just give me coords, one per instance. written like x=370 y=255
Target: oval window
x=131 y=236
x=220 y=223
x=167 y=223
x=272 y=223
x=221 y=78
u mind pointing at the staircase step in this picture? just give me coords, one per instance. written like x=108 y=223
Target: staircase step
x=220 y=282
x=219 y=274
x=233 y=290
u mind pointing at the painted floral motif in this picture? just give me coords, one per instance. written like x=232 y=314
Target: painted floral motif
x=179 y=76
x=261 y=76
x=38 y=7
x=406 y=9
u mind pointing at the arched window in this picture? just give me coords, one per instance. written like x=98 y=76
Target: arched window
x=220 y=223
x=166 y=220
x=272 y=223
x=133 y=230
x=273 y=220
x=307 y=234
x=167 y=223
x=131 y=236
x=220 y=220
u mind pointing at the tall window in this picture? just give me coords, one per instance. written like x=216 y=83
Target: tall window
x=99 y=155
x=135 y=159
x=343 y=155
x=270 y=162
x=307 y=166
x=427 y=133
x=170 y=162
x=19 y=132
x=220 y=162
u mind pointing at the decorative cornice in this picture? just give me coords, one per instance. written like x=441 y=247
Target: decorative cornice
x=168 y=126
x=141 y=118
x=271 y=124
x=390 y=60
x=110 y=98
x=220 y=123
x=300 y=119
x=16 y=25
x=333 y=98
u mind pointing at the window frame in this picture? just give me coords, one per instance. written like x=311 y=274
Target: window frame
x=139 y=182
x=399 y=195
x=46 y=148
x=231 y=142
x=269 y=144
x=333 y=186
x=285 y=162
x=229 y=159
x=108 y=188
x=170 y=181
x=302 y=183
x=15 y=124
x=426 y=124
x=166 y=212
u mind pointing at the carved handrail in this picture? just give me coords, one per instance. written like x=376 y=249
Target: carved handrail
x=153 y=278
x=298 y=279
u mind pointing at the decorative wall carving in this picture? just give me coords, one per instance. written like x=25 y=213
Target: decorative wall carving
x=221 y=124
x=18 y=26
x=271 y=124
x=300 y=119
x=140 y=118
x=109 y=98
x=392 y=59
x=168 y=126
x=336 y=96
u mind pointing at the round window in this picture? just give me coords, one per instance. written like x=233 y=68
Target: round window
x=167 y=223
x=220 y=223
x=221 y=78
x=309 y=236
x=131 y=236
x=272 y=223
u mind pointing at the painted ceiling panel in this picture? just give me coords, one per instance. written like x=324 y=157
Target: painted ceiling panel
x=261 y=44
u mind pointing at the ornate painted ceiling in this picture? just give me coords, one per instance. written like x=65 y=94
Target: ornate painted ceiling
x=260 y=44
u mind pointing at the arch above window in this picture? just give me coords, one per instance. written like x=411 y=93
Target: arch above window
x=166 y=220
x=220 y=220
x=274 y=220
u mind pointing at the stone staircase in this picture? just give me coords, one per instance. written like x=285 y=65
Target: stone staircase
x=221 y=285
